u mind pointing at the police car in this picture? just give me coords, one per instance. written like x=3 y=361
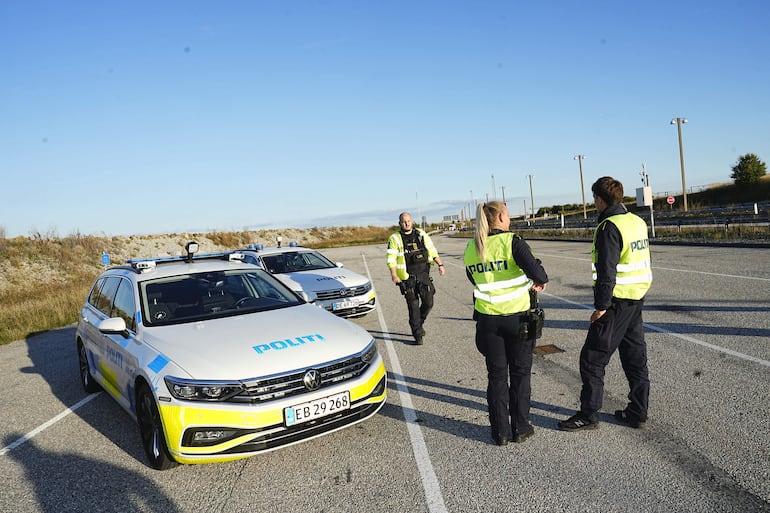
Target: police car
x=308 y=272
x=217 y=360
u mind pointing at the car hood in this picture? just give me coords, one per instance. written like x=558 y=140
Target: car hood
x=322 y=279
x=258 y=344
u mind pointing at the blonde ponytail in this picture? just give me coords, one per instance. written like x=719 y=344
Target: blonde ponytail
x=485 y=212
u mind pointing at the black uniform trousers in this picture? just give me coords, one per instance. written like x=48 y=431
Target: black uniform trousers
x=507 y=356
x=619 y=328
x=419 y=301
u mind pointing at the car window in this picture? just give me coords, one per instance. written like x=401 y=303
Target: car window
x=250 y=259
x=95 y=297
x=318 y=261
x=198 y=296
x=275 y=264
x=124 y=305
x=296 y=261
x=105 y=294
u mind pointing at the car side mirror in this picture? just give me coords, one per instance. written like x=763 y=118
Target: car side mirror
x=308 y=297
x=339 y=264
x=113 y=325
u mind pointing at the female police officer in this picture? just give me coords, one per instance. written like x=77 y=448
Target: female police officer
x=503 y=270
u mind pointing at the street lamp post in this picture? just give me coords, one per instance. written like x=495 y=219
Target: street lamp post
x=678 y=122
x=580 y=158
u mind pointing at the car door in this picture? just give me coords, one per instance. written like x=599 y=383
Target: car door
x=120 y=348
x=97 y=309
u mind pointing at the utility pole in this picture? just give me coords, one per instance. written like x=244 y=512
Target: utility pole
x=580 y=158
x=678 y=122
x=494 y=188
x=646 y=184
x=531 y=197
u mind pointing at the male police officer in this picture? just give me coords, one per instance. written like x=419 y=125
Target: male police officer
x=622 y=274
x=410 y=254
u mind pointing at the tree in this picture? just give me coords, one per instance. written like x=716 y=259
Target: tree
x=749 y=170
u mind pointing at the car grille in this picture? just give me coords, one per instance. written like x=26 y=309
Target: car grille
x=343 y=293
x=290 y=384
x=278 y=435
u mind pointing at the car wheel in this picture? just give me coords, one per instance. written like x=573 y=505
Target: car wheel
x=151 y=429
x=86 y=379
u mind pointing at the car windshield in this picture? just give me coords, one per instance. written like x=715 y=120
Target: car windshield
x=296 y=261
x=195 y=297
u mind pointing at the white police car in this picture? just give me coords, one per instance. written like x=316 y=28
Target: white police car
x=217 y=360
x=307 y=271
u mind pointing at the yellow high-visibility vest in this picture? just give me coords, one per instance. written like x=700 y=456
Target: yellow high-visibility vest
x=634 y=269
x=396 y=252
x=501 y=286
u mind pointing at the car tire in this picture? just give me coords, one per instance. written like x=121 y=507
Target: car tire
x=86 y=378
x=151 y=430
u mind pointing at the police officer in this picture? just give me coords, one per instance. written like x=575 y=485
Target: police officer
x=503 y=270
x=622 y=274
x=410 y=254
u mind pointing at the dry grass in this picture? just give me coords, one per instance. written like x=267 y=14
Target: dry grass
x=44 y=279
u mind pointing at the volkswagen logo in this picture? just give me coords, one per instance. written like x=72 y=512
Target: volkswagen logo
x=312 y=380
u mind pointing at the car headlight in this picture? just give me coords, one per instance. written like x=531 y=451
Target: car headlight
x=197 y=390
x=369 y=353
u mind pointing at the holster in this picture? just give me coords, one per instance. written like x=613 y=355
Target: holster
x=407 y=285
x=535 y=318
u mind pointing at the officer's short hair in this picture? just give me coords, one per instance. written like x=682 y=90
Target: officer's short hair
x=608 y=189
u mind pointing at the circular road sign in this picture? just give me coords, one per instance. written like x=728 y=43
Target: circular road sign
x=670 y=200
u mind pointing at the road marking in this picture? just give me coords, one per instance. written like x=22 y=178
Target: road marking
x=424 y=465
x=711 y=274
x=26 y=438
x=677 y=335
x=665 y=268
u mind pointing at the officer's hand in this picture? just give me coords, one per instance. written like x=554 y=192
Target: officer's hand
x=441 y=270
x=538 y=287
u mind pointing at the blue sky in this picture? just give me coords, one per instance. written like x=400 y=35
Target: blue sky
x=120 y=118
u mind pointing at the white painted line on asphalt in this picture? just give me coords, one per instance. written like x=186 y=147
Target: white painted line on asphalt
x=712 y=274
x=677 y=335
x=424 y=465
x=26 y=438
x=588 y=260
x=710 y=346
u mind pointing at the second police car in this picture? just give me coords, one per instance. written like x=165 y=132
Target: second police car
x=217 y=360
x=304 y=270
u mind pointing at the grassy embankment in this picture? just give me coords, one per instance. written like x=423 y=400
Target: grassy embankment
x=44 y=280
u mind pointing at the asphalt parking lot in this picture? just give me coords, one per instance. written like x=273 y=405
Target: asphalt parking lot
x=706 y=447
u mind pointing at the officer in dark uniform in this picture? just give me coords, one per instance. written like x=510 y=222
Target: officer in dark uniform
x=503 y=271
x=622 y=275
x=410 y=254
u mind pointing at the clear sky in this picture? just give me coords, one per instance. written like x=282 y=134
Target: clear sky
x=149 y=117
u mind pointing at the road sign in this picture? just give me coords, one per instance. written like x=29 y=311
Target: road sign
x=670 y=200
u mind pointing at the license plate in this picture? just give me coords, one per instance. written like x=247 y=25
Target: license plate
x=312 y=410
x=344 y=304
